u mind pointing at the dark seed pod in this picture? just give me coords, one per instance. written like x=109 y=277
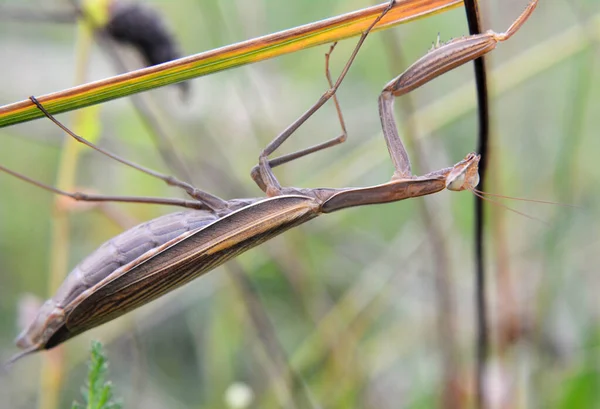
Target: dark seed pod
x=143 y=28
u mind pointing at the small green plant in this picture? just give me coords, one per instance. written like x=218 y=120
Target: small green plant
x=97 y=393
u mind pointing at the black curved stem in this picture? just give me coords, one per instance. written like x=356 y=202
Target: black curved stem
x=483 y=146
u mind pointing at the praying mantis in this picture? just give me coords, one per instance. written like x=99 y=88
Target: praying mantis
x=156 y=257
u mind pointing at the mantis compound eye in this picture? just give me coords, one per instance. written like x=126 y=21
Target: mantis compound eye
x=465 y=174
x=457 y=182
x=473 y=180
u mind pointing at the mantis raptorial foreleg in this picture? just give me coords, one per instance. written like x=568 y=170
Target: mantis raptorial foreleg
x=441 y=59
x=444 y=57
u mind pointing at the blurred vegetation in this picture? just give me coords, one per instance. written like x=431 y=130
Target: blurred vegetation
x=97 y=391
x=344 y=311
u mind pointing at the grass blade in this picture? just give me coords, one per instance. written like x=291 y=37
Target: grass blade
x=250 y=51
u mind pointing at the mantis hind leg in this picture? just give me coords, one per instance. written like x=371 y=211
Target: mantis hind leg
x=203 y=200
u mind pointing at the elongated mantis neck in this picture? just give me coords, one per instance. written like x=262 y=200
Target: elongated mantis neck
x=459 y=177
x=392 y=191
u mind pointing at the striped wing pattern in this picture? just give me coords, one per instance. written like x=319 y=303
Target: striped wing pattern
x=200 y=252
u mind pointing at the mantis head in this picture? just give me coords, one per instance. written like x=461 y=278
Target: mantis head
x=464 y=175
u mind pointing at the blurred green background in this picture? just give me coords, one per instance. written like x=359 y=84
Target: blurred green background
x=370 y=307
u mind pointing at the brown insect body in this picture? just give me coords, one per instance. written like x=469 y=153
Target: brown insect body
x=160 y=255
x=153 y=258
